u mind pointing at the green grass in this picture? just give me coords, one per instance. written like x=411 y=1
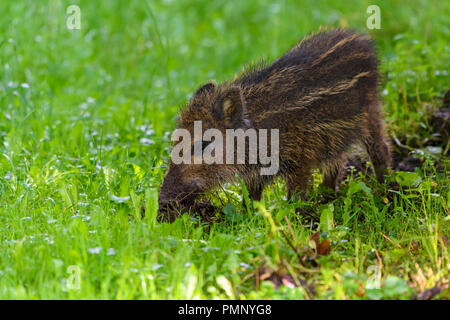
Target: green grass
x=85 y=121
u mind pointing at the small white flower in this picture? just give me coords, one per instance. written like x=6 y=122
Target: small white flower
x=95 y=250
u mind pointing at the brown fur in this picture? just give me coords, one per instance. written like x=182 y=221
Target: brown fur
x=322 y=95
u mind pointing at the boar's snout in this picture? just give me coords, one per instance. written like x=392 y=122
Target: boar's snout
x=178 y=190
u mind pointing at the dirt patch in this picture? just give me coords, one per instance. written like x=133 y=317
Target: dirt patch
x=441 y=121
x=407 y=163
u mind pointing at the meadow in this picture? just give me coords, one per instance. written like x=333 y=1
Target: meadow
x=85 y=122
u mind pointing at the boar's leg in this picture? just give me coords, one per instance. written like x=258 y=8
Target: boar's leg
x=376 y=144
x=254 y=192
x=297 y=182
x=255 y=187
x=332 y=174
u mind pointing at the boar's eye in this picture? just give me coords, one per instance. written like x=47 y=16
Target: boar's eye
x=203 y=145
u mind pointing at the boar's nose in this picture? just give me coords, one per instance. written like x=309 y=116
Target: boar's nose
x=164 y=199
x=168 y=197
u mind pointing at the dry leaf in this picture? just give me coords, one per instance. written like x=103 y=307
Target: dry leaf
x=324 y=247
x=320 y=248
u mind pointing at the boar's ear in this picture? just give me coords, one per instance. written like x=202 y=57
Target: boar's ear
x=209 y=87
x=230 y=108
